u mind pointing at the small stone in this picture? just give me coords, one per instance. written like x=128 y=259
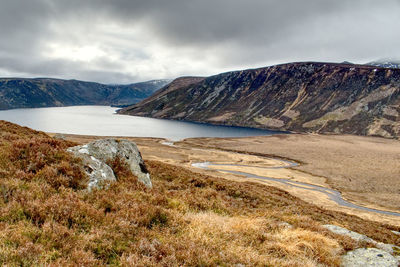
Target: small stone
x=59 y=136
x=286 y=225
x=396 y=233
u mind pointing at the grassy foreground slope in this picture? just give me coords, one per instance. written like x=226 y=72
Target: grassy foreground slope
x=186 y=219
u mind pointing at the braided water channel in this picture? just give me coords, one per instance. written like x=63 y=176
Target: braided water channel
x=333 y=195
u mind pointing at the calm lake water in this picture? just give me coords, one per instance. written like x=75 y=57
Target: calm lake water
x=102 y=120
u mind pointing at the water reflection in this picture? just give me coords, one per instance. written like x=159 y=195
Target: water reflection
x=102 y=120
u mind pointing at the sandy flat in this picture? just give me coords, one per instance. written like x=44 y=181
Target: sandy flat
x=365 y=169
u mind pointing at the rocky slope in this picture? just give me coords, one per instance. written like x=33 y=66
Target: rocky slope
x=45 y=92
x=301 y=97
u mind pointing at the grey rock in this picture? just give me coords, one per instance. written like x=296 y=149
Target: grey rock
x=286 y=225
x=98 y=172
x=396 y=233
x=168 y=143
x=59 y=136
x=359 y=237
x=369 y=257
x=392 y=249
x=389 y=248
x=343 y=231
x=97 y=153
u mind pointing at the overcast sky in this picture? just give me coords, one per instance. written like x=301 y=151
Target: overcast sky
x=125 y=41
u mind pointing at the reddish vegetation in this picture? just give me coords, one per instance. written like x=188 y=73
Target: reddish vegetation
x=186 y=219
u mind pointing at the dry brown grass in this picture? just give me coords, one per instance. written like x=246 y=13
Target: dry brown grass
x=365 y=169
x=186 y=219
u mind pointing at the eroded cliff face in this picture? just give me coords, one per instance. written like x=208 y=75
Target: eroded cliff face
x=300 y=97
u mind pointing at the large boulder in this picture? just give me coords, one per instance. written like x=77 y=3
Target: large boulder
x=95 y=155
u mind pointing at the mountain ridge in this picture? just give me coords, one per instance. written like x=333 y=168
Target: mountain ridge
x=53 y=92
x=301 y=97
x=385 y=64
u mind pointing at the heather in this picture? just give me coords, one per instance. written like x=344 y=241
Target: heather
x=48 y=218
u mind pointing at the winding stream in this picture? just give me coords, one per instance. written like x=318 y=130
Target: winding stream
x=334 y=195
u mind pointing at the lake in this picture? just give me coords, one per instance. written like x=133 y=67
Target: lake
x=103 y=121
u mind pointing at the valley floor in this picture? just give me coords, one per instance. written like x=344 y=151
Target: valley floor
x=364 y=169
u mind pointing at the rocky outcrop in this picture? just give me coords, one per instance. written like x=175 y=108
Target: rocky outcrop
x=96 y=154
x=369 y=257
x=45 y=92
x=353 y=235
x=383 y=255
x=299 y=97
x=363 y=238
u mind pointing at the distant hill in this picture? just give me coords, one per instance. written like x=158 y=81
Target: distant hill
x=385 y=64
x=300 y=97
x=46 y=92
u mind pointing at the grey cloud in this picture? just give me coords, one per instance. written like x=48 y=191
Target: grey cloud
x=66 y=69
x=197 y=22
x=155 y=38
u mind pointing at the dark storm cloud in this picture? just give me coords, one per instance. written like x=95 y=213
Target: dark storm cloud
x=208 y=21
x=130 y=40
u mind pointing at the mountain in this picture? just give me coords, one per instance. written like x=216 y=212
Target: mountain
x=46 y=92
x=385 y=64
x=299 y=97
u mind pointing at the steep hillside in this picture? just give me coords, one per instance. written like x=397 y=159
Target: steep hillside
x=44 y=92
x=301 y=97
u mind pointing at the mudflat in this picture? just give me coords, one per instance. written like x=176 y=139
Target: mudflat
x=365 y=169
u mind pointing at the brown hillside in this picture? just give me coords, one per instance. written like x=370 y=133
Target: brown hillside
x=300 y=97
x=186 y=219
